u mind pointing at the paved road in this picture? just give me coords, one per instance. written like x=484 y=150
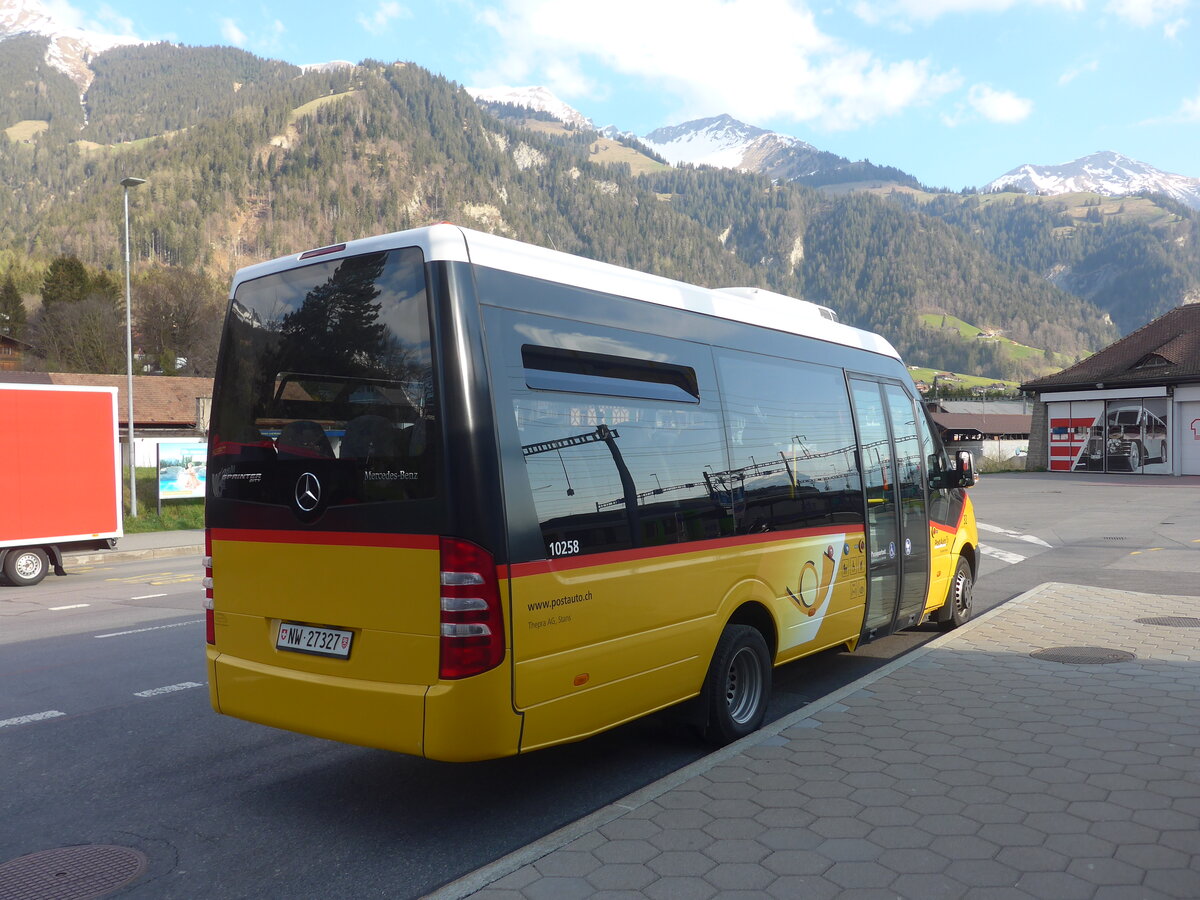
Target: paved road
x=107 y=736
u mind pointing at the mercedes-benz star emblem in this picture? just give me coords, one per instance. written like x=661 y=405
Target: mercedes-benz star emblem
x=308 y=492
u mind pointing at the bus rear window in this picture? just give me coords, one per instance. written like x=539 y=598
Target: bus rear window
x=327 y=367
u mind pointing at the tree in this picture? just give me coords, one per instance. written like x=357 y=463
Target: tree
x=85 y=336
x=178 y=315
x=12 y=309
x=66 y=281
x=80 y=326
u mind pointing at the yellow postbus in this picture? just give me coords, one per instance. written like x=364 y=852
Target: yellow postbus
x=469 y=498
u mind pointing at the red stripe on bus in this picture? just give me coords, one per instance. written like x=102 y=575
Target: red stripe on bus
x=565 y=563
x=1060 y=465
x=327 y=538
x=1065 y=451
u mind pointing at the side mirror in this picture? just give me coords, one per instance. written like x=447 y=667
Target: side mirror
x=964 y=475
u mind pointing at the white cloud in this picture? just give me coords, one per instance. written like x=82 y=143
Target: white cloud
x=114 y=22
x=380 y=20
x=1171 y=29
x=61 y=11
x=1144 y=13
x=1002 y=107
x=233 y=34
x=1189 y=110
x=878 y=11
x=1075 y=71
x=1187 y=114
x=755 y=59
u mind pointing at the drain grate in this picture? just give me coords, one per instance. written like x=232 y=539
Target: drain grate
x=70 y=873
x=1171 y=621
x=1083 y=656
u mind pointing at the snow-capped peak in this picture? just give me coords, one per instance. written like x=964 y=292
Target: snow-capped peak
x=718 y=141
x=539 y=98
x=1108 y=173
x=71 y=47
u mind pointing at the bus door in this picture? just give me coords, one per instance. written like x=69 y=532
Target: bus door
x=897 y=514
x=913 y=546
x=881 y=493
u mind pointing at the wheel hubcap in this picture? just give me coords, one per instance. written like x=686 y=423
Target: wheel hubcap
x=743 y=686
x=28 y=565
x=962 y=594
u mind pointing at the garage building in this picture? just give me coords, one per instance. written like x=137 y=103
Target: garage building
x=1132 y=407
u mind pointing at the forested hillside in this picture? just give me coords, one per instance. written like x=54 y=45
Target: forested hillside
x=31 y=89
x=1135 y=258
x=191 y=84
x=246 y=159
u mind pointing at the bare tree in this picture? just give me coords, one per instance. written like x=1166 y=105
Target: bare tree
x=178 y=315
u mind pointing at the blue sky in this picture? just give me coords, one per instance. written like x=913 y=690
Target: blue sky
x=956 y=92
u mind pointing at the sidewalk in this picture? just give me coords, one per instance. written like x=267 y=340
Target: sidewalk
x=968 y=768
x=150 y=545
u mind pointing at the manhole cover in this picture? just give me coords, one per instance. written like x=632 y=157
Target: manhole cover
x=70 y=873
x=1171 y=621
x=1083 y=656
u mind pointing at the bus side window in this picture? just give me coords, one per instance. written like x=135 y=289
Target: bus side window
x=792 y=445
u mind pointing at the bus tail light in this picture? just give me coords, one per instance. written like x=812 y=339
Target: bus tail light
x=472 y=622
x=210 y=625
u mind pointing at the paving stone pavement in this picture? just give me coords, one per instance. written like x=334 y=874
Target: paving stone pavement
x=968 y=768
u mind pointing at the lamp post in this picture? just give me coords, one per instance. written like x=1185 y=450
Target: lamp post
x=127 y=183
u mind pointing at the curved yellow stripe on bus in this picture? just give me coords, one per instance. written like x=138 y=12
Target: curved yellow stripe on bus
x=667 y=622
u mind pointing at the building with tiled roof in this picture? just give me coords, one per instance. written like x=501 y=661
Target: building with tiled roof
x=1132 y=407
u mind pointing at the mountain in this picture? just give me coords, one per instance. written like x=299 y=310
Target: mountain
x=1107 y=173
x=70 y=49
x=539 y=99
x=248 y=158
x=725 y=142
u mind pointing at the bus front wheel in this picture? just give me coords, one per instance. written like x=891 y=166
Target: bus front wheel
x=960 y=598
x=738 y=685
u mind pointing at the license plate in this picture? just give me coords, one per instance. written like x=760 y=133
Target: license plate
x=310 y=639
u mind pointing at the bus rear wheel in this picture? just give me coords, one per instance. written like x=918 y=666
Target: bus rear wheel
x=738 y=685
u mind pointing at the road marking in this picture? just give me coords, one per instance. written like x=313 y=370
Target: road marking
x=1028 y=538
x=1002 y=555
x=147 y=596
x=169 y=689
x=153 y=628
x=36 y=717
x=157 y=578
x=72 y=606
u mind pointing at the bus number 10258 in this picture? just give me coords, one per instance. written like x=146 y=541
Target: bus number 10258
x=564 y=548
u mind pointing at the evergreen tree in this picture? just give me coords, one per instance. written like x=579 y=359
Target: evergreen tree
x=67 y=281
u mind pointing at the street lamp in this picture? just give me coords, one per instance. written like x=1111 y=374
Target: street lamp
x=127 y=183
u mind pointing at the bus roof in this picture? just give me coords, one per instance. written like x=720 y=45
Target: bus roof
x=452 y=243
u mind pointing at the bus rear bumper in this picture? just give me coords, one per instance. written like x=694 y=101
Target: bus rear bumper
x=456 y=721
x=368 y=713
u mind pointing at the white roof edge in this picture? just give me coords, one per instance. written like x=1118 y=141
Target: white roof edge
x=28 y=386
x=452 y=243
